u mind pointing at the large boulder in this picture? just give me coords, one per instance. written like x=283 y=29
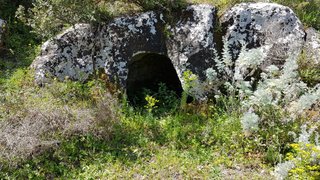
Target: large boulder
x=2 y=29
x=69 y=55
x=265 y=33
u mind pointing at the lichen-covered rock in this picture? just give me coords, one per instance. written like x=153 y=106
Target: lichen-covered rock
x=191 y=43
x=125 y=37
x=2 y=28
x=69 y=55
x=270 y=31
x=312 y=47
x=78 y=52
x=255 y=35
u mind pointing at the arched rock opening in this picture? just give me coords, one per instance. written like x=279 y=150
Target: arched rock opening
x=146 y=71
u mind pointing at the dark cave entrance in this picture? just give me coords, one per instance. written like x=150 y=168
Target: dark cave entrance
x=146 y=72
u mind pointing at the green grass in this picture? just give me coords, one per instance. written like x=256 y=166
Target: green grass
x=172 y=146
x=202 y=141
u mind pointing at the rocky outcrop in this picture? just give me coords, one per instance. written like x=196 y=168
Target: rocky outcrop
x=266 y=33
x=78 y=52
x=254 y=35
x=2 y=28
x=312 y=47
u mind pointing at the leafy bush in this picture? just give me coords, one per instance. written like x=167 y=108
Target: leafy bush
x=47 y=18
x=308 y=70
x=33 y=119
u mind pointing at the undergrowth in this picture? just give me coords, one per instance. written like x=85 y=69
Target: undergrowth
x=198 y=141
x=81 y=131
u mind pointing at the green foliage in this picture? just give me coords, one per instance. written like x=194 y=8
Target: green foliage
x=308 y=71
x=161 y=101
x=201 y=141
x=190 y=81
x=20 y=47
x=310 y=75
x=69 y=91
x=9 y=7
x=151 y=103
x=306 y=158
x=48 y=18
x=151 y=146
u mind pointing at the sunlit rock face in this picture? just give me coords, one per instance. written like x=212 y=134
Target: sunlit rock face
x=312 y=46
x=69 y=55
x=188 y=42
x=191 y=43
x=266 y=34
x=273 y=31
x=2 y=28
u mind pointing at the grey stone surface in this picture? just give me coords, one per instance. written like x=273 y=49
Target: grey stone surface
x=312 y=46
x=266 y=34
x=126 y=37
x=191 y=43
x=78 y=52
x=267 y=30
x=69 y=55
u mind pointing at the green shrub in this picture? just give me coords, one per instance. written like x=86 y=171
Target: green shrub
x=47 y=18
x=308 y=70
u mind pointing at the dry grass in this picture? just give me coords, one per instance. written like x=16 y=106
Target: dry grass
x=34 y=126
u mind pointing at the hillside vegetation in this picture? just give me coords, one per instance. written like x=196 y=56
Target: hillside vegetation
x=72 y=130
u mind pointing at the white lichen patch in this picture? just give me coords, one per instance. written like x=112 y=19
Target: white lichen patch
x=262 y=24
x=124 y=37
x=137 y=24
x=191 y=35
x=69 y=55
